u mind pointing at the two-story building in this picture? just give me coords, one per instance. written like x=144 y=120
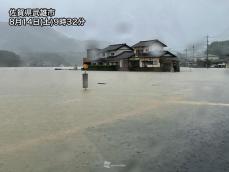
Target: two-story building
x=144 y=56
x=150 y=55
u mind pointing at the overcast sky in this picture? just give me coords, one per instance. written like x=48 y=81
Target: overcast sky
x=176 y=22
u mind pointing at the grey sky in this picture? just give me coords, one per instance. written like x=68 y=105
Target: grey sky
x=176 y=22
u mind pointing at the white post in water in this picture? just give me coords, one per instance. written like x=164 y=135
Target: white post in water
x=85 y=77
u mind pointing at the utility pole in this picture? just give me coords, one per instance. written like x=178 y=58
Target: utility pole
x=193 y=52
x=186 y=53
x=207 y=50
x=186 y=56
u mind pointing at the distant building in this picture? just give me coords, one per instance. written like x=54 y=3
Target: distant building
x=227 y=62
x=221 y=65
x=213 y=61
x=143 y=56
x=211 y=57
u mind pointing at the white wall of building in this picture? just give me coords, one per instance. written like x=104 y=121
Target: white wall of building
x=149 y=62
x=156 y=47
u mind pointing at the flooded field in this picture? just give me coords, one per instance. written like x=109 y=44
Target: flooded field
x=142 y=121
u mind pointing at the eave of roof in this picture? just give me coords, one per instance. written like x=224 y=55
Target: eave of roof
x=94 y=49
x=123 y=55
x=115 y=47
x=158 y=54
x=168 y=52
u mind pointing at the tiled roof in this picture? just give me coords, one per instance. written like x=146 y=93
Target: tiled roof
x=148 y=43
x=123 y=55
x=169 y=53
x=115 y=47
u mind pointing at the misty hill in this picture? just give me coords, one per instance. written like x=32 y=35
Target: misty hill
x=9 y=59
x=43 y=45
x=220 y=48
x=35 y=39
x=52 y=58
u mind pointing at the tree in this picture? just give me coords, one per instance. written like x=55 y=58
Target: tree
x=9 y=59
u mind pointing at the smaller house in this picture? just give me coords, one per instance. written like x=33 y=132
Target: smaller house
x=115 y=50
x=115 y=56
x=93 y=53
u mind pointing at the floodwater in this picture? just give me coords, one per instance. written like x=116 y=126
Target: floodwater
x=142 y=121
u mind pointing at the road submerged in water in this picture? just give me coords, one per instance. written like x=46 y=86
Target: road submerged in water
x=134 y=122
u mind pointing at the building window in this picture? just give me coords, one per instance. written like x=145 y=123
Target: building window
x=139 y=52
x=112 y=54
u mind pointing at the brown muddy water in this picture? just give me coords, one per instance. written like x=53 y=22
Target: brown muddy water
x=143 y=121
